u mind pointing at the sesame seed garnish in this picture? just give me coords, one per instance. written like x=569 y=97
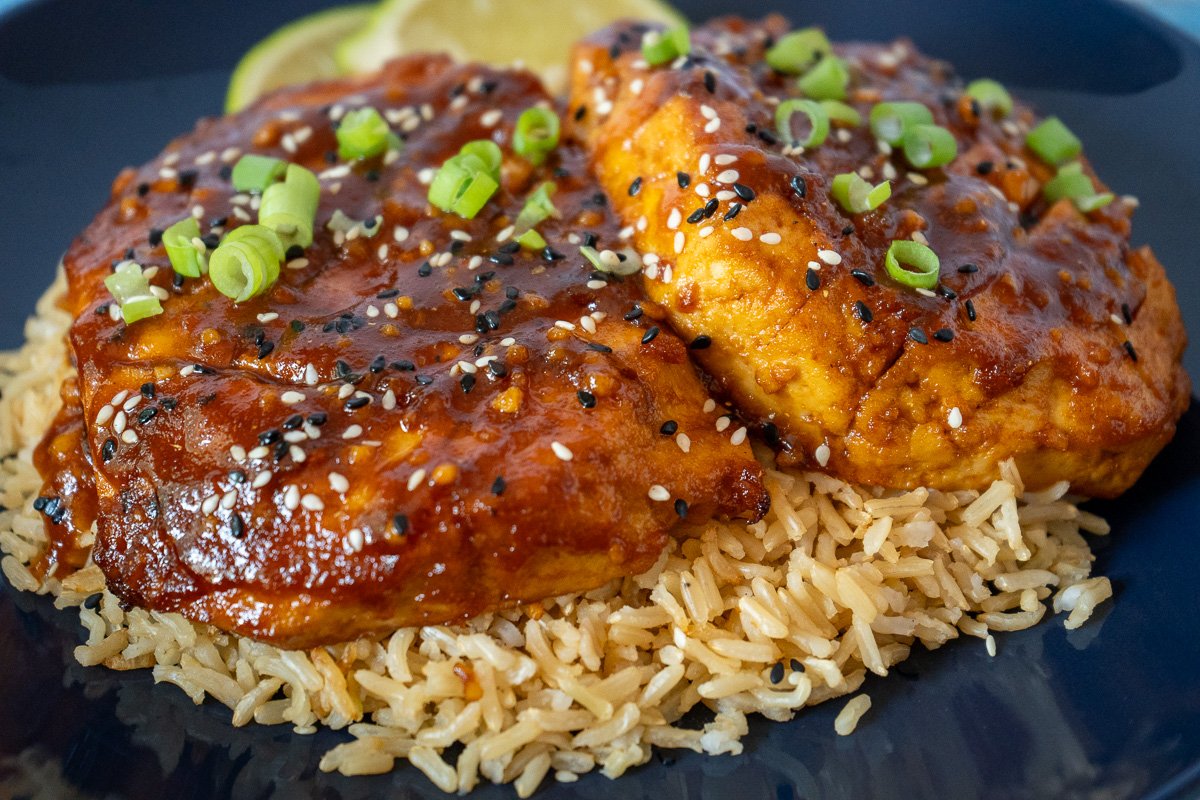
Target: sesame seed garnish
x=955 y=418
x=723 y=423
x=710 y=406
x=812 y=280
x=799 y=186
x=674 y=218
x=829 y=257
x=863 y=312
x=918 y=336
x=724 y=159
x=679 y=242
x=1129 y=349
x=742 y=234
x=743 y=191
x=970 y=309
x=586 y=399
x=733 y=211
x=770 y=238
x=416 y=479
x=669 y=428
x=943 y=334
x=738 y=437
x=650 y=334
x=701 y=342
x=683 y=179
x=209 y=504
x=635 y=187
x=684 y=442
x=353 y=432
x=291 y=397
x=727 y=176
x=561 y=451
x=108 y=450
x=261 y=479
x=821 y=454
x=129 y=436
x=312 y=502
x=659 y=493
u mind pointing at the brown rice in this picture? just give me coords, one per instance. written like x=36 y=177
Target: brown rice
x=836 y=582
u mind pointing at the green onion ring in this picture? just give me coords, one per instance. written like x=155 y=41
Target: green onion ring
x=535 y=134
x=817 y=118
x=827 y=80
x=362 y=133
x=856 y=195
x=904 y=253
x=890 y=120
x=179 y=241
x=795 y=52
x=929 y=146
x=991 y=96
x=1053 y=142
x=290 y=208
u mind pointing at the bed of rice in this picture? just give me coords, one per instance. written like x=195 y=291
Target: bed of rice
x=837 y=581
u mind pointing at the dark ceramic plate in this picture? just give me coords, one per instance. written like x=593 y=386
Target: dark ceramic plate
x=1109 y=711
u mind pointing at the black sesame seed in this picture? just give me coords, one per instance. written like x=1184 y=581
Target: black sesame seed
x=701 y=342
x=862 y=277
x=497 y=368
x=269 y=437
x=918 y=336
x=108 y=450
x=148 y=390
x=378 y=363
x=681 y=508
x=507 y=306
x=237 y=527
x=425 y=270
x=743 y=191
x=456 y=246
x=580 y=112
x=507 y=247
x=467 y=382
x=669 y=428
x=200 y=369
x=423 y=380
x=684 y=179
x=812 y=280
x=636 y=186
x=796 y=665
x=187 y=178
x=733 y=211
x=341 y=368
x=52 y=506
x=328 y=326
x=294 y=252
x=970 y=307
x=143 y=189
x=550 y=254
x=967 y=269
x=1129 y=349
x=589 y=240
x=710 y=208
x=777 y=673
x=40 y=503
x=155 y=237
x=400 y=523
x=168 y=403
x=210 y=240
x=1126 y=313
x=226 y=172
x=92 y=602
x=650 y=334
x=281 y=450
x=102 y=309
x=293 y=422
x=355 y=403
x=512 y=292
x=599 y=199
x=318 y=418
x=146 y=414
x=710 y=82
x=848 y=230
x=498 y=486
x=463 y=294
x=946 y=292
x=984 y=167
x=265 y=349
x=635 y=313
x=342 y=326
x=503 y=259
x=864 y=313
x=237 y=476
x=177 y=280
x=599 y=348
x=388 y=294
x=799 y=186
x=403 y=365
x=586 y=399
x=770 y=432
x=696 y=216
x=943 y=334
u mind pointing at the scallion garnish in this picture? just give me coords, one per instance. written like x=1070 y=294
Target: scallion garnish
x=465 y=182
x=889 y=121
x=666 y=46
x=131 y=289
x=818 y=120
x=857 y=196
x=255 y=173
x=797 y=51
x=535 y=135
x=362 y=133
x=912 y=264
x=929 y=146
x=531 y=240
x=246 y=262
x=290 y=208
x=827 y=80
x=626 y=263
x=180 y=241
x=991 y=96
x=537 y=208
x=1053 y=142
x=842 y=114
x=1072 y=183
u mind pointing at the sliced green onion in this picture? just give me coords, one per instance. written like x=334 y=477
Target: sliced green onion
x=246 y=262
x=180 y=242
x=889 y=121
x=929 y=146
x=131 y=289
x=625 y=263
x=1072 y=183
x=290 y=208
x=255 y=173
x=841 y=113
x=991 y=96
x=798 y=50
x=858 y=196
x=664 y=47
x=818 y=120
x=465 y=182
x=531 y=240
x=488 y=153
x=912 y=264
x=827 y=80
x=537 y=208
x=536 y=134
x=449 y=183
x=362 y=133
x=1053 y=142
x=475 y=195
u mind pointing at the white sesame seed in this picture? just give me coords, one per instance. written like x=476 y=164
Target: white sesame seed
x=770 y=238
x=353 y=432
x=829 y=257
x=921 y=290
x=705 y=160
x=604 y=108
x=723 y=423
x=822 y=454
x=416 y=479
x=382 y=252
x=237 y=453
x=866 y=172
x=710 y=406
x=389 y=400
x=291 y=497
x=425 y=176
x=261 y=479
x=506 y=233
x=703 y=190
x=295 y=437
x=262 y=451
x=659 y=493
x=491 y=118
x=297 y=263
x=119 y=397
x=917 y=178
x=728 y=176
x=372 y=311
x=712 y=126
x=270 y=316
x=168 y=174
x=310 y=375
x=338 y=482
x=706 y=231
x=241 y=214
x=129 y=436
x=206 y=158
x=354 y=538
x=228 y=499
x=345 y=391
x=468 y=338
x=674 y=218
x=625 y=233
x=725 y=195
x=724 y=159
x=919 y=237
x=466 y=367
x=561 y=451
x=159 y=292
x=739 y=436
x=679 y=241
x=955 y=419
x=636 y=86
x=210 y=504
x=391 y=310
x=708 y=112
x=990 y=644
x=119 y=422
x=104 y=415
x=742 y=234
x=588 y=324
x=1116 y=320
x=291 y=398
x=641 y=224
x=312 y=431
x=507 y=341
x=312 y=502
x=685 y=442
x=595 y=284
x=566 y=326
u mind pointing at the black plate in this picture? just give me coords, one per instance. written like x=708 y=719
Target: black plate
x=1111 y=710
